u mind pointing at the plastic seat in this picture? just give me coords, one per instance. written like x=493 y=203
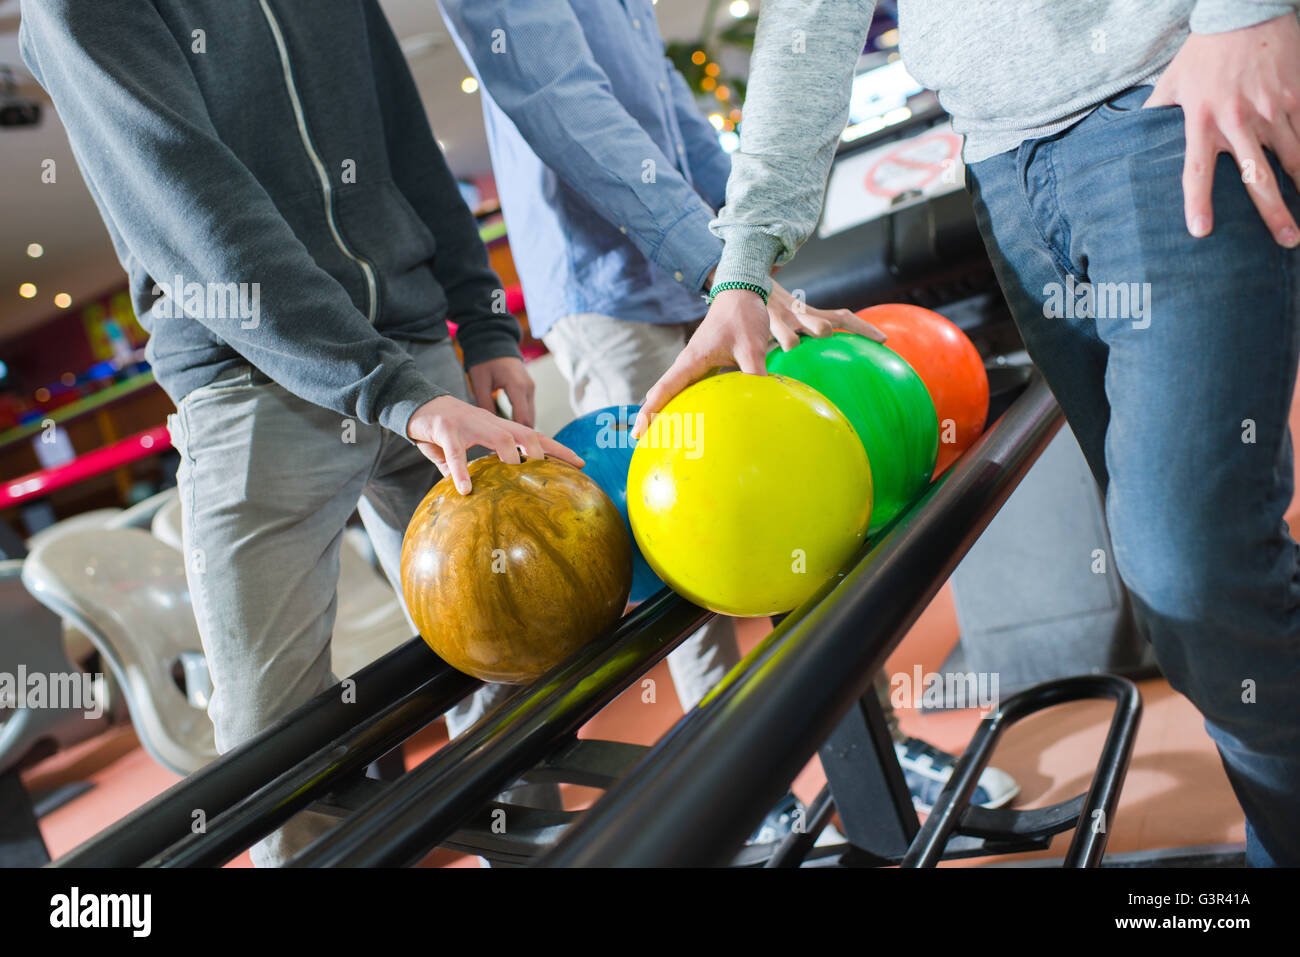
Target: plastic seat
x=95 y=518
x=166 y=524
x=77 y=646
x=141 y=514
x=32 y=640
x=371 y=620
x=126 y=590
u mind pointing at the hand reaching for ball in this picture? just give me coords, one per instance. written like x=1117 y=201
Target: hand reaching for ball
x=445 y=428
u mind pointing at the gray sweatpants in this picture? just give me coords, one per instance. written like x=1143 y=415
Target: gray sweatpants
x=267 y=482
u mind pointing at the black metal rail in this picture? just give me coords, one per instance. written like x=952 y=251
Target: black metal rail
x=426 y=805
x=698 y=793
x=1093 y=816
x=261 y=812
x=283 y=754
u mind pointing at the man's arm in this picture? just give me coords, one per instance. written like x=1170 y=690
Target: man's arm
x=548 y=83
x=474 y=298
x=185 y=205
x=796 y=107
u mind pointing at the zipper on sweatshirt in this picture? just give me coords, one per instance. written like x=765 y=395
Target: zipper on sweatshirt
x=372 y=289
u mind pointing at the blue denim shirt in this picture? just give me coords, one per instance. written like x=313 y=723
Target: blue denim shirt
x=607 y=171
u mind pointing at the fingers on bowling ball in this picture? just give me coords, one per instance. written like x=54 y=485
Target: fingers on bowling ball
x=949 y=365
x=886 y=402
x=604 y=440
x=748 y=493
x=507 y=582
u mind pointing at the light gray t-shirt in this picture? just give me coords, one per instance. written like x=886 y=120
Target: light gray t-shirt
x=1006 y=70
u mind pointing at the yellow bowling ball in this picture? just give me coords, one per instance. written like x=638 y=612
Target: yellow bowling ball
x=748 y=492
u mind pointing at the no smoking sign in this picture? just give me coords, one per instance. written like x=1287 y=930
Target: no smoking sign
x=913 y=165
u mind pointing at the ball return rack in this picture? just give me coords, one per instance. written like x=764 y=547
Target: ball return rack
x=694 y=797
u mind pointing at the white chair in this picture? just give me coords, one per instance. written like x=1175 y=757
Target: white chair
x=95 y=518
x=77 y=645
x=127 y=592
x=371 y=620
x=166 y=524
x=31 y=640
x=141 y=514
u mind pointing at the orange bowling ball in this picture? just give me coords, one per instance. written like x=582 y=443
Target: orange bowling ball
x=508 y=581
x=949 y=365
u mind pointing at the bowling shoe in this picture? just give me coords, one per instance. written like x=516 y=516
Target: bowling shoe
x=926 y=770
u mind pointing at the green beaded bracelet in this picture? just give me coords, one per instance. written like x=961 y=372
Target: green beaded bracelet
x=746 y=286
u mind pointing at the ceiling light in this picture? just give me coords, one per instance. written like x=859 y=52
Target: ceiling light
x=36 y=250
x=27 y=290
x=63 y=300
x=739 y=8
x=469 y=85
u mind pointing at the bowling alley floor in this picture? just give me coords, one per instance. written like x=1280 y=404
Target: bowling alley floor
x=1175 y=795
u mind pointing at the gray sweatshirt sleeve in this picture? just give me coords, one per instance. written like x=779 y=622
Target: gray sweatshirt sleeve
x=185 y=205
x=1220 y=16
x=797 y=105
x=795 y=109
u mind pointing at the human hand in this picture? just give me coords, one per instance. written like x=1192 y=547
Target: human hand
x=734 y=332
x=445 y=428
x=788 y=316
x=1240 y=94
x=506 y=373
x=737 y=331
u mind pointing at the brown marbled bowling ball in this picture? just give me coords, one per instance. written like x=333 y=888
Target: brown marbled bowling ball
x=508 y=581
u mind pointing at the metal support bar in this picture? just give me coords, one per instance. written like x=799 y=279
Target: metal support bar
x=509 y=835
x=590 y=762
x=1092 y=829
x=705 y=786
x=426 y=806
x=513 y=835
x=1004 y=823
x=328 y=718
x=867 y=783
x=257 y=815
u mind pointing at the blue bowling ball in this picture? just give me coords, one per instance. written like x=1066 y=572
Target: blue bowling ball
x=604 y=440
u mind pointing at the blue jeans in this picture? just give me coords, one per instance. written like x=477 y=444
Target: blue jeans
x=1177 y=381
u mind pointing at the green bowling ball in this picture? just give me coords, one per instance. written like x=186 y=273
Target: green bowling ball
x=887 y=404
